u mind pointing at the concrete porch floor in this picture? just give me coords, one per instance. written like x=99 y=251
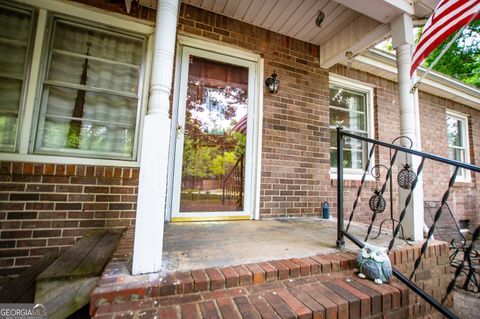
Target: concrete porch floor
x=216 y=244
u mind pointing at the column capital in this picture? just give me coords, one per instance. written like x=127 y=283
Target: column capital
x=401 y=29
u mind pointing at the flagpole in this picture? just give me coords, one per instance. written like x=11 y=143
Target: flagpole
x=445 y=49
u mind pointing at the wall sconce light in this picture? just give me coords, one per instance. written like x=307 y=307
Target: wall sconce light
x=272 y=83
x=319 y=19
x=349 y=56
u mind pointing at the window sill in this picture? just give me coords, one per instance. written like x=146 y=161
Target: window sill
x=352 y=177
x=15 y=157
x=463 y=182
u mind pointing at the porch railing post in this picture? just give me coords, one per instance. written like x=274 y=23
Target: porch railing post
x=340 y=239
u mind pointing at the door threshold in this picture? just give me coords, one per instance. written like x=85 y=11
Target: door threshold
x=208 y=218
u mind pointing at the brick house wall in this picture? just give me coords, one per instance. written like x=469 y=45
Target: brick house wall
x=464 y=200
x=46 y=207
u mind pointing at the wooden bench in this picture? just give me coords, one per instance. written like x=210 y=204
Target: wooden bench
x=65 y=286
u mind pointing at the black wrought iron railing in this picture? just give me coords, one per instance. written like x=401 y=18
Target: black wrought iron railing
x=465 y=264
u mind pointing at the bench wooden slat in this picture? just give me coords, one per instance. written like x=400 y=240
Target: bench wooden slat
x=66 y=264
x=22 y=288
x=63 y=297
x=94 y=262
x=66 y=285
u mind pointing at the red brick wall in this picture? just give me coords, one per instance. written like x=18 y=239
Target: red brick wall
x=464 y=200
x=46 y=207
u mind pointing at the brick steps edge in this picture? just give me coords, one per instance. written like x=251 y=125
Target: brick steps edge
x=210 y=279
x=180 y=283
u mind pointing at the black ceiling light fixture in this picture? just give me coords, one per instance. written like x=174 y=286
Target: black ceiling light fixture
x=320 y=18
x=273 y=83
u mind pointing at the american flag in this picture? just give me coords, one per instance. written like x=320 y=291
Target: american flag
x=241 y=126
x=449 y=16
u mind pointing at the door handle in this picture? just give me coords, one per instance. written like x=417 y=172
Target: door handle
x=180 y=129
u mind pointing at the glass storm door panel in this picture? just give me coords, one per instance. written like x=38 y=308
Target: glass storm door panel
x=212 y=137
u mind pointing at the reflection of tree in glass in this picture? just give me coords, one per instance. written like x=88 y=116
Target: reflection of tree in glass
x=196 y=159
x=341 y=99
x=210 y=148
x=222 y=164
x=213 y=108
x=239 y=140
x=453 y=131
x=92 y=137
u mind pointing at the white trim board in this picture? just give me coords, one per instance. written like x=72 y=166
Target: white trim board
x=93 y=14
x=46 y=159
x=435 y=83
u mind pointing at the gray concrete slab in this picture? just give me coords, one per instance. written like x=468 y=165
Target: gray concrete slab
x=213 y=244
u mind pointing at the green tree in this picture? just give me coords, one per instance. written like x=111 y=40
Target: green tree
x=196 y=159
x=222 y=164
x=462 y=60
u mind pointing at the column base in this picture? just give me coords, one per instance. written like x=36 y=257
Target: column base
x=150 y=217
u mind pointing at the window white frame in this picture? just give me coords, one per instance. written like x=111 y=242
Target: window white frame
x=44 y=84
x=89 y=15
x=466 y=175
x=368 y=90
x=223 y=53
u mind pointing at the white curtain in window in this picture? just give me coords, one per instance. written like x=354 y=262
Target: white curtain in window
x=91 y=92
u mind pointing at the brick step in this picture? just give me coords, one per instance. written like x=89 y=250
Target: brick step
x=331 y=295
x=115 y=287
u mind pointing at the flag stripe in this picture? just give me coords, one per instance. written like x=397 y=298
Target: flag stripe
x=241 y=126
x=449 y=16
x=444 y=22
x=437 y=41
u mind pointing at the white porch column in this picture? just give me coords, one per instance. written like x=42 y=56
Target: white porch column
x=402 y=40
x=148 y=243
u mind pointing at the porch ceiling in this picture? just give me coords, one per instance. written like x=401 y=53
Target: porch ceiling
x=296 y=18
x=349 y=25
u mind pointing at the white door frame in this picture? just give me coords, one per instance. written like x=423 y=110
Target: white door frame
x=190 y=46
